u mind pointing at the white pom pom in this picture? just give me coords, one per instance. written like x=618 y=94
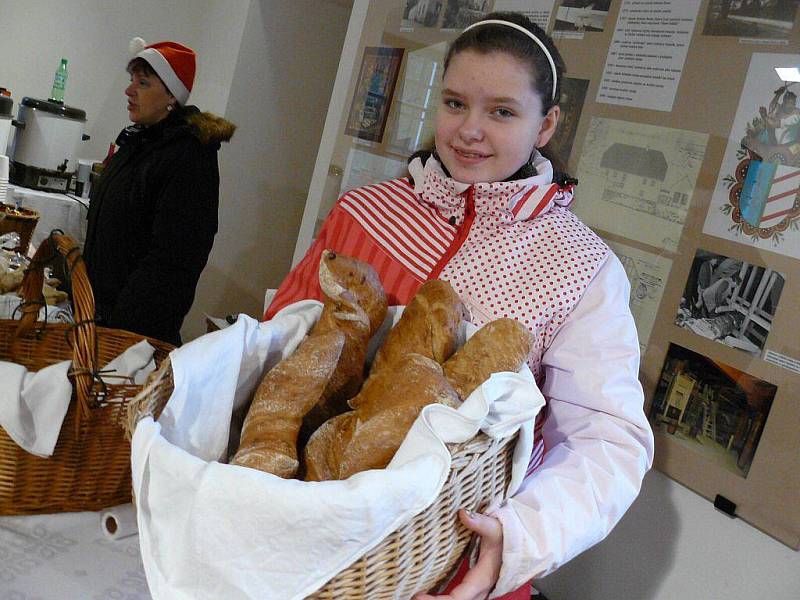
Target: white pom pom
x=136 y=45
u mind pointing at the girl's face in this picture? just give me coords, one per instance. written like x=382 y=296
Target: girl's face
x=148 y=99
x=490 y=118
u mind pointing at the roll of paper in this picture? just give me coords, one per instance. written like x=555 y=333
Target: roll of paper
x=3 y=178
x=119 y=522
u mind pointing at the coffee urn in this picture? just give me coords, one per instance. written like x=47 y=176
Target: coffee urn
x=44 y=153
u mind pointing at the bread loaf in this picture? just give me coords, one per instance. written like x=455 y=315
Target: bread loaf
x=322 y=455
x=431 y=325
x=501 y=345
x=11 y=280
x=286 y=393
x=387 y=407
x=355 y=304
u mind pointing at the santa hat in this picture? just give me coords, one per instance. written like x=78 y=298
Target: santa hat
x=174 y=63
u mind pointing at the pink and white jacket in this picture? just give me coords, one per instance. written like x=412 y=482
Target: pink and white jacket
x=513 y=249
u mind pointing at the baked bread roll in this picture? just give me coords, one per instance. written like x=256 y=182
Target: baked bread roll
x=355 y=304
x=430 y=326
x=11 y=280
x=286 y=393
x=346 y=281
x=325 y=447
x=388 y=404
x=501 y=345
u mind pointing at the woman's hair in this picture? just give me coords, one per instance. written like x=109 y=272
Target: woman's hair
x=486 y=39
x=140 y=65
x=490 y=38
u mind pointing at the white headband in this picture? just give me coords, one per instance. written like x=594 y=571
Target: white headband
x=530 y=35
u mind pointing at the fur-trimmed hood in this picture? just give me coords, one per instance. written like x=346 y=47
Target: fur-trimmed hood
x=209 y=128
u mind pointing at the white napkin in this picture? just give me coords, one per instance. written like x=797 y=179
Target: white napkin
x=33 y=405
x=210 y=530
x=54 y=314
x=132 y=366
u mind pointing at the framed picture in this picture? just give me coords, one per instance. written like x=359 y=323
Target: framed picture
x=730 y=301
x=373 y=94
x=714 y=410
x=768 y=20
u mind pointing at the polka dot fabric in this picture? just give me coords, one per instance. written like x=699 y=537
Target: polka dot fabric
x=529 y=266
x=531 y=271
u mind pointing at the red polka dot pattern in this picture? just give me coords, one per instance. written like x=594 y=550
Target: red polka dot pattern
x=534 y=271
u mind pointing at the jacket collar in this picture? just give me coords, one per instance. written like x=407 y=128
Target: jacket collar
x=510 y=201
x=137 y=134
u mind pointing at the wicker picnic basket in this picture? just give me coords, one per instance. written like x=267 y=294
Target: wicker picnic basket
x=424 y=553
x=90 y=467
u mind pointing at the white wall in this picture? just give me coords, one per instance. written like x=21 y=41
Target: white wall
x=267 y=65
x=279 y=97
x=673 y=545
x=94 y=36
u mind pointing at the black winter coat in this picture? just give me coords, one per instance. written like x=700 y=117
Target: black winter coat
x=152 y=221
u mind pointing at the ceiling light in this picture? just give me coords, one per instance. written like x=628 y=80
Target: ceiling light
x=788 y=73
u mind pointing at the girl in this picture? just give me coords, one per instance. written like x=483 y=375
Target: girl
x=482 y=212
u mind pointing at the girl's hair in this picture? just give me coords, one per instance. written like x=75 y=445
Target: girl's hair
x=490 y=38
x=140 y=65
x=486 y=39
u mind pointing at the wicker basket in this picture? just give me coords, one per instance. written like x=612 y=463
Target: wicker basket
x=90 y=467
x=21 y=220
x=424 y=553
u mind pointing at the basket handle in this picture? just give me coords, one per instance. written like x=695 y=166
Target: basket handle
x=83 y=335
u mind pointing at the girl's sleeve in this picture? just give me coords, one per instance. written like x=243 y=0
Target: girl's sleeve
x=599 y=443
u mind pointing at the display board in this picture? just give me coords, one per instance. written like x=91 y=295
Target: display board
x=686 y=144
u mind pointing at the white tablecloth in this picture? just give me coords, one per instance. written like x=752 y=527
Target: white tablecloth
x=67 y=557
x=56 y=211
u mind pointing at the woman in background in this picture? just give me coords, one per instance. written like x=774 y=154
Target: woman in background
x=153 y=213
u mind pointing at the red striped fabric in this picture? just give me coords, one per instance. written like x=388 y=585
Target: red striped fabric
x=344 y=234
x=408 y=230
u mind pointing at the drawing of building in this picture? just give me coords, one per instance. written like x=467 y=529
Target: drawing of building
x=636 y=172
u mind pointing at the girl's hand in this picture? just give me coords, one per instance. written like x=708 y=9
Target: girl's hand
x=480 y=579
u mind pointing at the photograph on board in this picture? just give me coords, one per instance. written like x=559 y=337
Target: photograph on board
x=765 y=19
x=730 y=301
x=459 y=14
x=711 y=408
x=582 y=15
x=421 y=13
x=373 y=94
x=573 y=93
x=538 y=11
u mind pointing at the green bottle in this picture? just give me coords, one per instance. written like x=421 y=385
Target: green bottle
x=59 y=82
